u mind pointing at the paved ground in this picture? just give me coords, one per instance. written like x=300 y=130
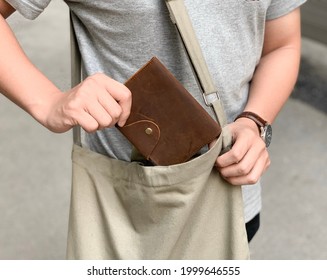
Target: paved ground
x=35 y=164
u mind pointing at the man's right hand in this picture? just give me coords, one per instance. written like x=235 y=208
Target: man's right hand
x=96 y=103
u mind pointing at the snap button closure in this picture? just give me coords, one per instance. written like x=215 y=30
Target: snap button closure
x=149 y=131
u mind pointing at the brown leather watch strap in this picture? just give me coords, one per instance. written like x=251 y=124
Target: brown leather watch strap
x=264 y=127
x=250 y=115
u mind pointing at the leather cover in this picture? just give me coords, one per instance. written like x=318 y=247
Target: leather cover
x=166 y=125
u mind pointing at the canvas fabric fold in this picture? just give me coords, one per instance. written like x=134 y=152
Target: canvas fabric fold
x=122 y=210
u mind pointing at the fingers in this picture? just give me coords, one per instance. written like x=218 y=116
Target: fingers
x=249 y=170
x=123 y=96
x=113 y=96
x=105 y=113
x=98 y=102
x=248 y=159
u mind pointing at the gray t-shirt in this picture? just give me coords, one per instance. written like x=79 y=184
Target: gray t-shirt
x=117 y=37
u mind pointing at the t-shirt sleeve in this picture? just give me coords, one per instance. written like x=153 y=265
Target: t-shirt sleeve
x=30 y=9
x=280 y=8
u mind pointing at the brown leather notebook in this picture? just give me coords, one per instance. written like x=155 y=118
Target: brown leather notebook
x=166 y=125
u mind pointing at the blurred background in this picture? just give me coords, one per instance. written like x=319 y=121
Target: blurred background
x=35 y=167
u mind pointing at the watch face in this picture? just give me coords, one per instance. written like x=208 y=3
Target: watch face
x=268 y=135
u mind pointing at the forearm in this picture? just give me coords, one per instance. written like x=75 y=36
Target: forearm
x=20 y=80
x=271 y=85
x=96 y=103
x=277 y=71
x=273 y=81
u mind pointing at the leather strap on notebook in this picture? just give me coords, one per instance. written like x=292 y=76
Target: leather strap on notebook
x=181 y=19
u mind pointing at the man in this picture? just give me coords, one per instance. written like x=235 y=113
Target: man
x=252 y=49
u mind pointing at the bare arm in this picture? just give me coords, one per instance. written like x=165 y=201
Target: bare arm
x=271 y=86
x=96 y=103
x=277 y=72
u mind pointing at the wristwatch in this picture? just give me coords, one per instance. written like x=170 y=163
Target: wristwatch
x=265 y=129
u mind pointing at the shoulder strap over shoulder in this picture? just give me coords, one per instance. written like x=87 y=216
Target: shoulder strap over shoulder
x=182 y=21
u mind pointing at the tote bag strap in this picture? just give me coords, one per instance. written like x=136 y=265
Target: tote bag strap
x=76 y=74
x=182 y=21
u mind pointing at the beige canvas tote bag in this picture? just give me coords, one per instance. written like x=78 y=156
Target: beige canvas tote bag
x=122 y=210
